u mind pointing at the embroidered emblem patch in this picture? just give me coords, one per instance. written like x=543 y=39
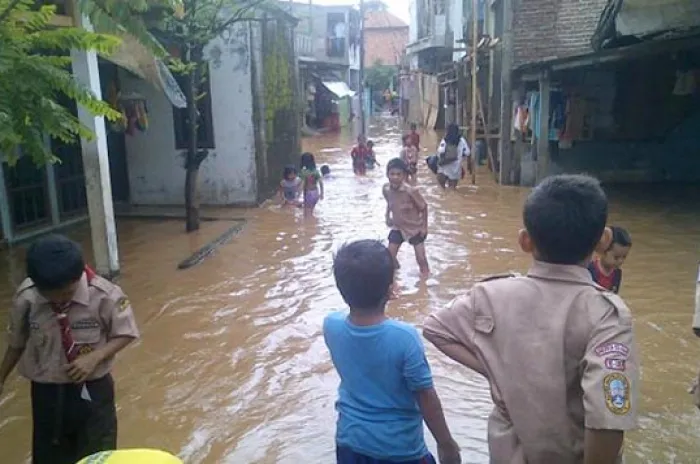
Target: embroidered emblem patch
x=124 y=303
x=605 y=349
x=615 y=364
x=617 y=393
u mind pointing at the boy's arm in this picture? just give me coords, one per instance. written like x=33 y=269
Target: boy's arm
x=422 y=207
x=434 y=417
x=419 y=379
x=610 y=380
x=451 y=331
x=17 y=334
x=320 y=186
x=387 y=214
x=120 y=323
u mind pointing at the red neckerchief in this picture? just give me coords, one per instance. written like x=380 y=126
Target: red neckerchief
x=69 y=346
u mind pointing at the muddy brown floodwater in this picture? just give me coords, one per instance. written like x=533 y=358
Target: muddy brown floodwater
x=232 y=367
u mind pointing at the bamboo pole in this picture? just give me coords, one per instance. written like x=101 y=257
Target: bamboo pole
x=361 y=89
x=475 y=40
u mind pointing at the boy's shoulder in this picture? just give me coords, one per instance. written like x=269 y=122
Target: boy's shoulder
x=26 y=291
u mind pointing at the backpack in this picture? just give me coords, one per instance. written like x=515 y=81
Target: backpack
x=450 y=155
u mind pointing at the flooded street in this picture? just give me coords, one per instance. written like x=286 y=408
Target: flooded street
x=232 y=367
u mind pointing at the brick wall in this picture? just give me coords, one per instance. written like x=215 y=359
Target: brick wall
x=548 y=29
x=385 y=44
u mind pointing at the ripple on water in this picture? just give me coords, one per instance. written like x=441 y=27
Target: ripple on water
x=233 y=368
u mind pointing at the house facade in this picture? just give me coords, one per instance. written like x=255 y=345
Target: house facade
x=615 y=81
x=328 y=53
x=385 y=37
x=248 y=122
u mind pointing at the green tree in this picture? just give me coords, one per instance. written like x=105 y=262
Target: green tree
x=34 y=73
x=379 y=76
x=193 y=26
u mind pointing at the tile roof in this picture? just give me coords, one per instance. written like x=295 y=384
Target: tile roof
x=381 y=19
x=549 y=29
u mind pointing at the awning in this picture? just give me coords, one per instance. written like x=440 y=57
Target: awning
x=339 y=89
x=137 y=59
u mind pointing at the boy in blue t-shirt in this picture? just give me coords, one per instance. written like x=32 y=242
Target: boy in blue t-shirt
x=386 y=387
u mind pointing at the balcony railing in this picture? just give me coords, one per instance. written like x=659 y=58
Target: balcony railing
x=303 y=44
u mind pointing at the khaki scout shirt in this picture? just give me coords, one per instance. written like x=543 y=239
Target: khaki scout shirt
x=559 y=354
x=99 y=312
x=407 y=208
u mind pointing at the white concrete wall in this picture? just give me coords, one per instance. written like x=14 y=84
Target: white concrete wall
x=227 y=176
x=412 y=21
x=456 y=20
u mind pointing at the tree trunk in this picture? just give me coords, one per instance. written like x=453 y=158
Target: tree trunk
x=192 y=161
x=191 y=199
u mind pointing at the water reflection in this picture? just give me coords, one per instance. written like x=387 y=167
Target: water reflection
x=232 y=366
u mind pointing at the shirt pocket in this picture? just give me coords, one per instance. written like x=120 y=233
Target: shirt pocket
x=86 y=331
x=43 y=345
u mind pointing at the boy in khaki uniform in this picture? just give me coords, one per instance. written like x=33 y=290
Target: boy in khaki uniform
x=66 y=325
x=558 y=350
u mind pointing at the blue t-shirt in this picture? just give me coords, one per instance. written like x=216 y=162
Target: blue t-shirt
x=380 y=367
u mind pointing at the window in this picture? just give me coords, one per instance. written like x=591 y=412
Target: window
x=205 y=123
x=28 y=193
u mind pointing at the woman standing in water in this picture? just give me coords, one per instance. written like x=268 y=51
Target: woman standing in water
x=312 y=182
x=452 y=151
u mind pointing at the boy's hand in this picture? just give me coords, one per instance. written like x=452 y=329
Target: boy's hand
x=448 y=453
x=80 y=369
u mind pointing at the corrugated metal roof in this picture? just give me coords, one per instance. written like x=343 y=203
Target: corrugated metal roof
x=642 y=19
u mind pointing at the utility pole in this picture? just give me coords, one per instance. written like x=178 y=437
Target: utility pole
x=361 y=94
x=472 y=128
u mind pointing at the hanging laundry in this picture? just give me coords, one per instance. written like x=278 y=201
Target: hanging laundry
x=556 y=119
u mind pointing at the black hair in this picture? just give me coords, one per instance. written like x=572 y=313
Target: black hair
x=364 y=273
x=397 y=163
x=325 y=170
x=54 y=262
x=620 y=237
x=453 y=135
x=289 y=169
x=413 y=126
x=370 y=142
x=308 y=162
x=565 y=217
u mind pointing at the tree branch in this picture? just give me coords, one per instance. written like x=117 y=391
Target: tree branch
x=238 y=15
x=6 y=13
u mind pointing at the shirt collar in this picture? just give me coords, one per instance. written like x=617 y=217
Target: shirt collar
x=561 y=272
x=81 y=296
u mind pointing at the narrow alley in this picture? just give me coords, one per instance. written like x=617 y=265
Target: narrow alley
x=232 y=367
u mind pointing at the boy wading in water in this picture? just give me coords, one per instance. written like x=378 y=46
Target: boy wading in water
x=607 y=269
x=406 y=214
x=66 y=326
x=386 y=388
x=558 y=351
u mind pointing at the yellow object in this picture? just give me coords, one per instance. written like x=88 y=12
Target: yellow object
x=131 y=456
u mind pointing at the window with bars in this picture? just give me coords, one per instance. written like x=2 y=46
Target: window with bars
x=70 y=180
x=27 y=192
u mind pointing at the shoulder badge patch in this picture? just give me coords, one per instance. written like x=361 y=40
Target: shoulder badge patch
x=612 y=348
x=123 y=304
x=617 y=393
